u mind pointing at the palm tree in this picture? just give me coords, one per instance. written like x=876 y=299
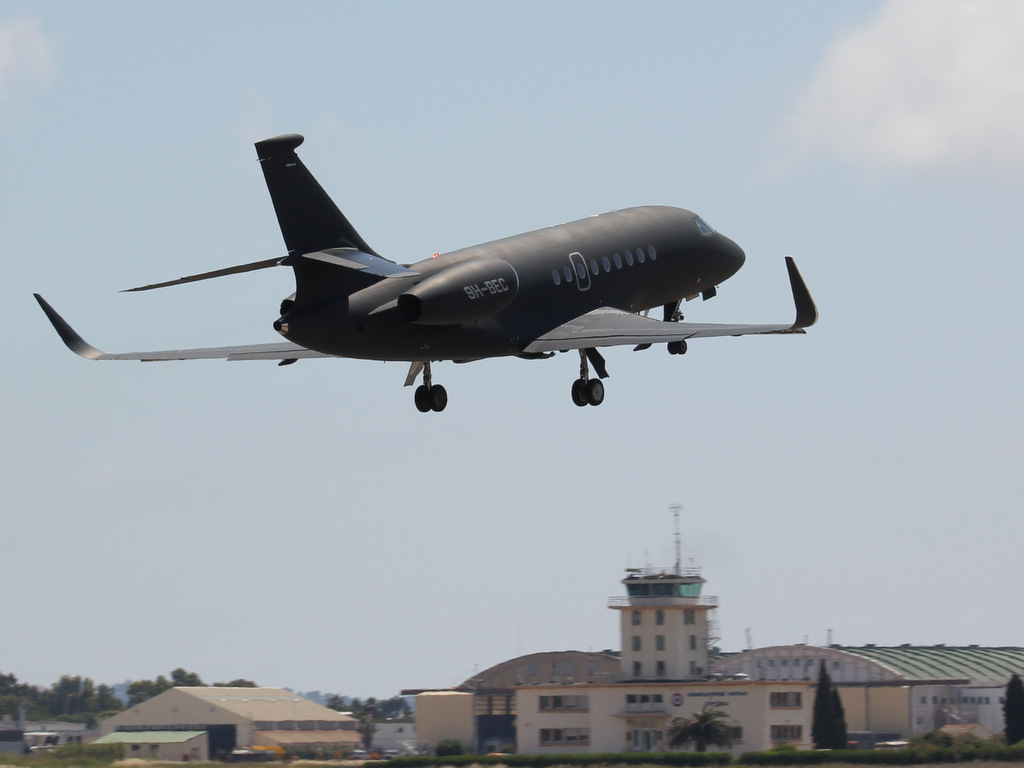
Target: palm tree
x=702 y=728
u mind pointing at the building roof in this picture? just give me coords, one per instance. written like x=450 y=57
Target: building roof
x=148 y=737
x=942 y=662
x=265 y=704
x=892 y=664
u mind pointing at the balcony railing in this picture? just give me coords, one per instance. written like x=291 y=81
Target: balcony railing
x=623 y=601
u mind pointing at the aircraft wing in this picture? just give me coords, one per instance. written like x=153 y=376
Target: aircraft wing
x=608 y=326
x=279 y=351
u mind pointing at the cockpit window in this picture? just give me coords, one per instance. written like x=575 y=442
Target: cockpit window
x=704 y=227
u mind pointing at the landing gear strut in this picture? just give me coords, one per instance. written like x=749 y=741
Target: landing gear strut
x=430 y=397
x=585 y=390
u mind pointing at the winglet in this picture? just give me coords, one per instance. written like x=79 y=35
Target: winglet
x=806 y=312
x=75 y=343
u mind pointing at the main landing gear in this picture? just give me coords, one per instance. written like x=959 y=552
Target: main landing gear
x=430 y=397
x=585 y=390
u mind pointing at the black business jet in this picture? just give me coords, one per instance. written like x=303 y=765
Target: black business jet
x=580 y=286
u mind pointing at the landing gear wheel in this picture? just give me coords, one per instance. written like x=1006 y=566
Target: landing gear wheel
x=595 y=392
x=677 y=347
x=579 y=393
x=422 y=398
x=438 y=398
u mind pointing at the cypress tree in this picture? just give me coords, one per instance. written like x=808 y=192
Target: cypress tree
x=1013 y=710
x=828 y=728
x=838 y=721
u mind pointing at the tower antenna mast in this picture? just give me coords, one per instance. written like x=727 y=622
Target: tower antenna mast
x=679 y=545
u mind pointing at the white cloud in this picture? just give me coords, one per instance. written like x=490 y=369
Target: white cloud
x=922 y=84
x=26 y=56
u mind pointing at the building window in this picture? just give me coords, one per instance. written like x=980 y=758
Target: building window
x=689 y=616
x=659 y=617
x=554 y=736
x=560 y=703
x=636 y=642
x=562 y=668
x=636 y=618
x=693 y=642
x=783 y=733
x=660 y=668
x=638 y=669
x=659 y=642
x=785 y=700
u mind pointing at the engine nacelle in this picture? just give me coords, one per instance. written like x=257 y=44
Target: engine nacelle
x=463 y=293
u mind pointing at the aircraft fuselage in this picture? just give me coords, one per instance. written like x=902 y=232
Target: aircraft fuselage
x=494 y=298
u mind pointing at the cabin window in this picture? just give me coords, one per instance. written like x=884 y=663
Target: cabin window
x=606 y=264
x=618 y=260
x=629 y=258
x=593 y=266
x=640 y=255
x=581 y=270
x=568 y=274
x=704 y=227
x=555 y=277
x=651 y=252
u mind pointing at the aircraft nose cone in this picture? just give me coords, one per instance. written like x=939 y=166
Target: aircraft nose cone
x=732 y=256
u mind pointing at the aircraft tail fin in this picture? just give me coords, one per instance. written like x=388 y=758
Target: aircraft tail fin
x=309 y=219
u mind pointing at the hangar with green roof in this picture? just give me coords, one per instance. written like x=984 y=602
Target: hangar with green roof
x=894 y=691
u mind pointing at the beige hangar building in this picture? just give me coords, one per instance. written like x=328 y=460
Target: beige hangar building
x=218 y=720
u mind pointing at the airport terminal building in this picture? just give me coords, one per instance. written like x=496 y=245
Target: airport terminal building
x=573 y=701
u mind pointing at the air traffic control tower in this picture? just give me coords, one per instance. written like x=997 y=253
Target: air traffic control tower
x=666 y=624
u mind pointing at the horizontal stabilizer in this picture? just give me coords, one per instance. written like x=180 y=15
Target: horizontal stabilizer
x=209 y=275
x=358 y=260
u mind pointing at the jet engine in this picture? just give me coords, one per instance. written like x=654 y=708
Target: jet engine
x=463 y=293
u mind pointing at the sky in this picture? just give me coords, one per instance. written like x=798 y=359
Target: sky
x=307 y=527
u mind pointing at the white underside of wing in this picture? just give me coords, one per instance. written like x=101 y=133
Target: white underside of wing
x=279 y=351
x=608 y=327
